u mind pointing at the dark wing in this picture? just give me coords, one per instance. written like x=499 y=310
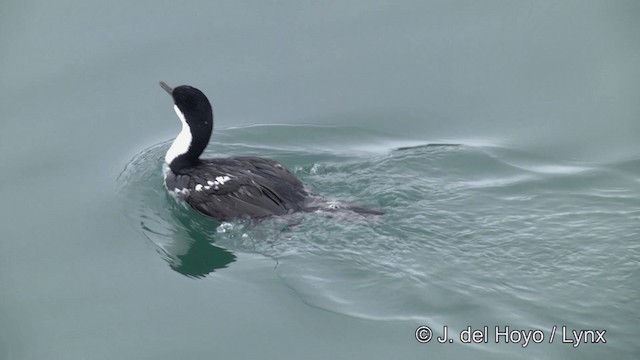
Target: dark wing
x=244 y=187
x=271 y=170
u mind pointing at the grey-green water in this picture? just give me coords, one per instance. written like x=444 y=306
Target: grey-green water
x=531 y=221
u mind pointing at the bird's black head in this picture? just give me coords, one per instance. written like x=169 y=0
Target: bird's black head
x=192 y=107
x=193 y=103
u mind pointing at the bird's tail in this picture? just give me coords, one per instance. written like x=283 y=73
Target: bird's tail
x=323 y=205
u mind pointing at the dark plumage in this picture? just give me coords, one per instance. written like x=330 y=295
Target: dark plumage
x=256 y=187
x=228 y=188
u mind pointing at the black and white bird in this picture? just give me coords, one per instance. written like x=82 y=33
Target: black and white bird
x=229 y=188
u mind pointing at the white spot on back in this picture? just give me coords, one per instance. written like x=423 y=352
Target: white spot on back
x=180 y=192
x=222 y=179
x=210 y=182
x=198 y=187
x=182 y=141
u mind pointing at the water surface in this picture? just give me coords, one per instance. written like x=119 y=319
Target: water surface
x=530 y=221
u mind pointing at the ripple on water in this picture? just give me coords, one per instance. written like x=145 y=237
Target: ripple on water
x=470 y=233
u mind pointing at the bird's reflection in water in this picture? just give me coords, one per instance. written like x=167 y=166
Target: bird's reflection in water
x=190 y=250
x=201 y=258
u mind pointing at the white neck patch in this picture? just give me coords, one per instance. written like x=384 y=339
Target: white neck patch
x=183 y=140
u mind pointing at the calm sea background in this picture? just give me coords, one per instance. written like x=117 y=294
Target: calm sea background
x=531 y=220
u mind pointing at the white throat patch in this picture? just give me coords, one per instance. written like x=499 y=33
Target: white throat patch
x=183 y=140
